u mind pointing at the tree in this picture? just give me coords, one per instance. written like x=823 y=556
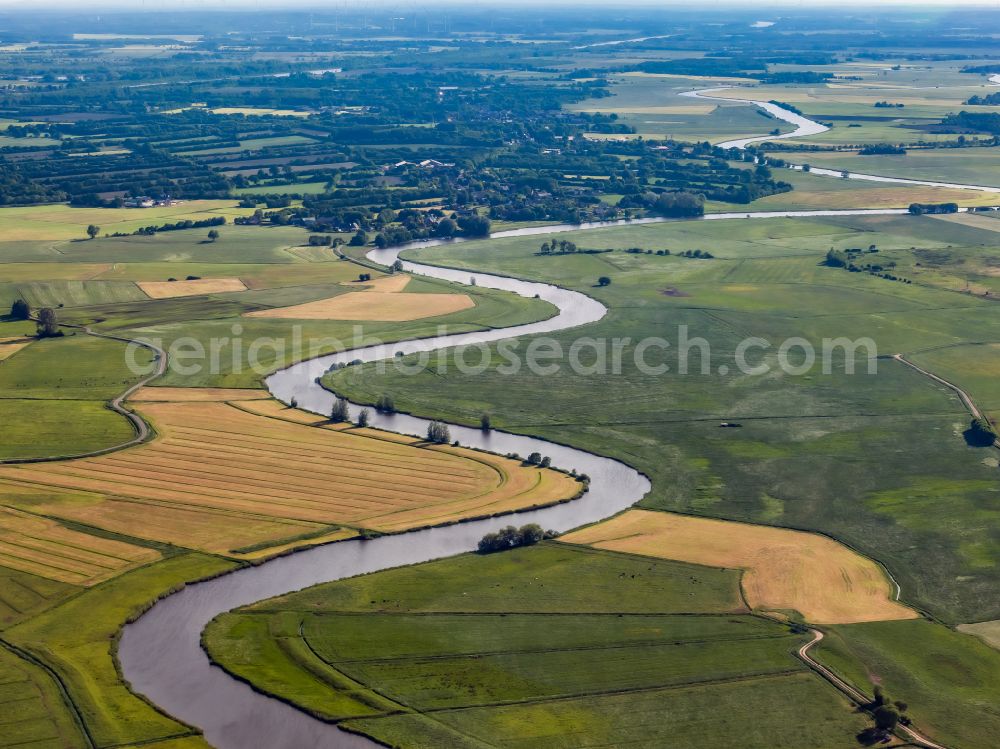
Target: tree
x=835 y=259
x=474 y=225
x=397 y=266
x=680 y=204
x=534 y=459
x=360 y=239
x=511 y=537
x=437 y=432
x=485 y=423
x=385 y=404
x=603 y=281
x=446 y=228
x=530 y=534
x=364 y=416
x=340 y=412
x=93 y=231
x=48 y=324
x=20 y=310
x=213 y=235
x=886 y=717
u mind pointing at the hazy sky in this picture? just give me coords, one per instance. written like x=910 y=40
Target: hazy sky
x=763 y=7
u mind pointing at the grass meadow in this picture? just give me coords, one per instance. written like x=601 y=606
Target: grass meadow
x=950 y=680
x=31 y=707
x=975 y=166
x=547 y=644
x=76 y=638
x=922 y=504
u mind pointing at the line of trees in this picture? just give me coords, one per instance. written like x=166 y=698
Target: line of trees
x=511 y=538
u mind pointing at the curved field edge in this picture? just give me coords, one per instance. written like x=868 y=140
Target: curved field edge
x=79 y=648
x=696 y=469
x=823 y=581
x=554 y=630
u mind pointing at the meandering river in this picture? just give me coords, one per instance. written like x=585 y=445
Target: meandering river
x=160 y=653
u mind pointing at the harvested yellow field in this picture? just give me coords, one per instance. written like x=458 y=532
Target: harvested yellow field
x=372 y=305
x=203 y=528
x=196 y=395
x=221 y=478
x=171 y=289
x=10 y=346
x=43 y=547
x=388 y=284
x=823 y=580
x=380 y=299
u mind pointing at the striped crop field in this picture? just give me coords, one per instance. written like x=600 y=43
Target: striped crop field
x=222 y=478
x=45 y=548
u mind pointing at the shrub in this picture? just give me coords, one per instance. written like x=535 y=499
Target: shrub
x=339 y=412
x=437 y=432
x=20 y=310
x=511 y=538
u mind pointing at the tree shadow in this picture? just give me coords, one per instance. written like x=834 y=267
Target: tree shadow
x=977 y=438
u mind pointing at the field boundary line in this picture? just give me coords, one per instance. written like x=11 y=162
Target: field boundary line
x=143 y=430
x=782 y=674
x=63 y=692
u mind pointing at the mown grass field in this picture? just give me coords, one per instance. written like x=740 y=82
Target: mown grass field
x=548 y=644
x=913 y=495
x=221 y=478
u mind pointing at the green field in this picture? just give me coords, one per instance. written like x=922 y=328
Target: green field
x=976 y=166
x=237 y=244
x=515 y=648
x=923 y=505
x=652 y=105
x=76 y=639
x=54 y=394
x=951 y=681
x=32 y=711
x=814 y=191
